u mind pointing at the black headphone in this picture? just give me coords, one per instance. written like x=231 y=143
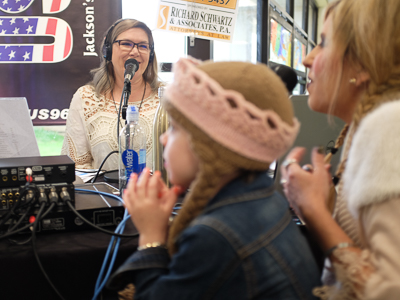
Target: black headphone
x=107 y=46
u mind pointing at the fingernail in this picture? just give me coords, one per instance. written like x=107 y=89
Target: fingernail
x=177 y=190
x=321 y=149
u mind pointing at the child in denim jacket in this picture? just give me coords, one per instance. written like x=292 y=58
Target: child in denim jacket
x=234 y=237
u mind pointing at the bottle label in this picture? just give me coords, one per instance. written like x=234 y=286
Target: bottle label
x=133 y=162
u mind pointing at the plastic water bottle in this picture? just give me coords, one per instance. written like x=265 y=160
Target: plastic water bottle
x=132 y=147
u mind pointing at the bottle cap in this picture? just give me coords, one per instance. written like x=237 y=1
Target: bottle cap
x=132 y=113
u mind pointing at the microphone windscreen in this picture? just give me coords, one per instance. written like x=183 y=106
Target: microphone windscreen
x=287 y=75
x=131 y=66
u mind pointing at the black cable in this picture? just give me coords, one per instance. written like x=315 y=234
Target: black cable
x=19 y=221
x=27 y=225
x=15 y=231
x=334 y=150
x=13 y=226
x=30 y=202
x=15 y=242
x=276 y=169
x=38 y=217
x=6 y=217
x=101 y=165
x=119 y=113
x=120 y=102
x=109 y=171
x=98 y=227
x=335 y=180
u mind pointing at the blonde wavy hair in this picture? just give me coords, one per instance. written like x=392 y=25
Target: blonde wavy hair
x=103 y=76
x=366 y=33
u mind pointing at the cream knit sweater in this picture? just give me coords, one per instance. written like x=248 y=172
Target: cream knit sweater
x=91 y=131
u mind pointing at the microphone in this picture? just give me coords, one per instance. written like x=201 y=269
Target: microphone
x=131 y=66
x=287 y=75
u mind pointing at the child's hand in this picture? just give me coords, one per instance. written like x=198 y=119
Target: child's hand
x=150 y=204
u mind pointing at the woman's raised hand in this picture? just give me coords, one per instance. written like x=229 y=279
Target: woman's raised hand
x=307 y=187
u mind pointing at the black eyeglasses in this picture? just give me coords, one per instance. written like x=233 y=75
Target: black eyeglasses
x=126 y=45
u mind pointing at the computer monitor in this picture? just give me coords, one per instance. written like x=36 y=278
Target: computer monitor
x=17 y=138
x=299 y=55
x=280 y=44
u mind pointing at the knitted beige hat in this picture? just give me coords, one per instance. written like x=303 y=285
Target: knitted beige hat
x=239 y=117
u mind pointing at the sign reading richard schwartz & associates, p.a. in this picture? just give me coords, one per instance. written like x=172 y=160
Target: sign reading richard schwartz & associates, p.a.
x=206 y=19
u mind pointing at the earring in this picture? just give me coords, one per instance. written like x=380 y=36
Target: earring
x=353 y=80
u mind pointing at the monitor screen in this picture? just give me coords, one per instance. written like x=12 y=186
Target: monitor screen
x=280 y=44
x=17 y=138
x=299 y=55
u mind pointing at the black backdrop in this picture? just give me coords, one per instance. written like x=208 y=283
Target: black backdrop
x=49 y=80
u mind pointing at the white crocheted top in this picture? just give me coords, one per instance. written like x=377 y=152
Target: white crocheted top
x=91 y=131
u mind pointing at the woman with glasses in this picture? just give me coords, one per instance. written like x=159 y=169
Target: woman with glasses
x=91 y=132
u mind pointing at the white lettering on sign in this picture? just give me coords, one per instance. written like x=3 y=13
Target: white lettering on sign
x=89 y=34
x=44 y=114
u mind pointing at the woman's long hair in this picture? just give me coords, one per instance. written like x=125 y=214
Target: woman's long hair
x=367 y=35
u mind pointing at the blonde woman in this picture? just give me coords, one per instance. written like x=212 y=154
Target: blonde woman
x=91 y=132
x=355 y=75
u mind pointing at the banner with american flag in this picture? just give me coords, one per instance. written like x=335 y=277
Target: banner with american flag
x=48 y=47
x=36 y=53
x=49 y=6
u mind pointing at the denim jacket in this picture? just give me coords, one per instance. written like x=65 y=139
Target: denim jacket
x=244 y=245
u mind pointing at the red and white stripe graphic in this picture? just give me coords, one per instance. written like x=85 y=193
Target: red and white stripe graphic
x=63 y=42
x=54 y=6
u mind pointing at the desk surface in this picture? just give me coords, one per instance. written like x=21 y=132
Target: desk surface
x=72 y=261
